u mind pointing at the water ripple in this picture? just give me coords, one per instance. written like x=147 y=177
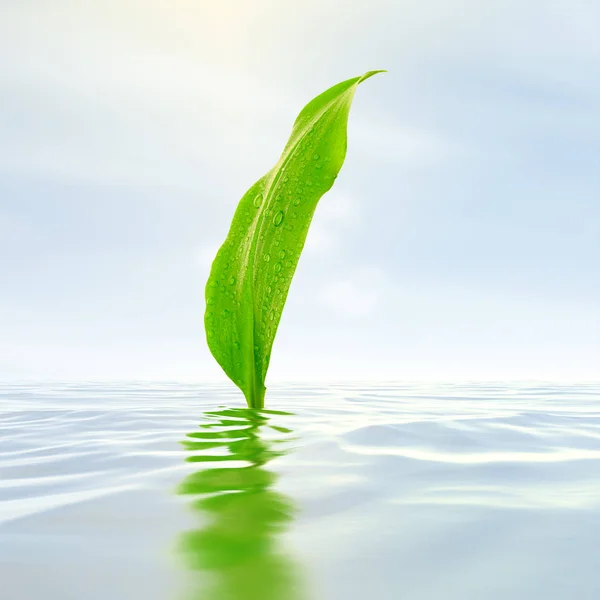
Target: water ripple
x=388 y=470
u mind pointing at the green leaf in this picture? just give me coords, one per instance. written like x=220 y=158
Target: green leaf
x=251 y=274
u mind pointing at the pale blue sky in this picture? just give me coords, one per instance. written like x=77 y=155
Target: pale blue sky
x=462 y=238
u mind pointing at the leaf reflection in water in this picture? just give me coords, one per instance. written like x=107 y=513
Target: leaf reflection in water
x=236 y=552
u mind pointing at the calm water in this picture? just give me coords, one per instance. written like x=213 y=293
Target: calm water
x=160 y=492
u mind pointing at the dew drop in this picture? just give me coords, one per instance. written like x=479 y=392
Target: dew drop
x=267 y=257
x=278 y=219
x=296 y=201
x=316 y=157
x=271 y=315
x=257 y=201
x=231 y=280
x=277 y=267
x=282 y=254
x=209 y=314
x=286 y=179
x=236 y=345
x=225 y=313
x=210 y=301
x=210 y=333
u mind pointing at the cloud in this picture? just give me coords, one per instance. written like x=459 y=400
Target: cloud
x=406 y=145
x=338 y=214
x=358 y=294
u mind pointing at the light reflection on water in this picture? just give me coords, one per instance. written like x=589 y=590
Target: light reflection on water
x=235 y=549
x=397 y=491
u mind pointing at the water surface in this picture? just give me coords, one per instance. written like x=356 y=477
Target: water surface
x=343 y=492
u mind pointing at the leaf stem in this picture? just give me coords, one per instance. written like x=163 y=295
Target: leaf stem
x=257 y=396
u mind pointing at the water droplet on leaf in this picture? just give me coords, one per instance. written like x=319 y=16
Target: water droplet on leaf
x=258 y=201
x=278 y=219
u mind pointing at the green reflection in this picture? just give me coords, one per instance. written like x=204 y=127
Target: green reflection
x=235 y=553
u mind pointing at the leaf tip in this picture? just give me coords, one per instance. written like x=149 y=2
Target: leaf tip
x=370 y=74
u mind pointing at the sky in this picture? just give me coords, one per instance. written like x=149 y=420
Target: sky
x=461 y=240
